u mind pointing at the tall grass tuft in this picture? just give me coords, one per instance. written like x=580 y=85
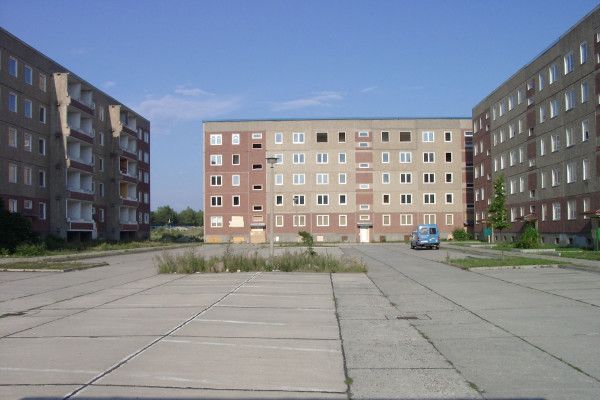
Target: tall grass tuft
x=190 y=262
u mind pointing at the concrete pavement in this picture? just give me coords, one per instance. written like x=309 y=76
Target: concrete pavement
x=518 y=334
x=412 y=328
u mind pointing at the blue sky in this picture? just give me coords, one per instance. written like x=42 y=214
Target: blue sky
x=181 y=62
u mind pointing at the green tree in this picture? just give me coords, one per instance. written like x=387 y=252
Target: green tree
x=188 y=217
x=14 y=229
x=164 y=215
x=498 y=213
x=200 y=217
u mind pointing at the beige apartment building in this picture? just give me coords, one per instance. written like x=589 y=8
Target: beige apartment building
x=541 y=130
x=343 y=180
x=72 y=159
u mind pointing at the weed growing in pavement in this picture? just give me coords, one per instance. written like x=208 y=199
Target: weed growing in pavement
x=189 y=262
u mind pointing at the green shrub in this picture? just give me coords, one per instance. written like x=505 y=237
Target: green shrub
x=530 y=239
x=54 y=242
x=31 y=250
x=309 y=241
x=460 y=235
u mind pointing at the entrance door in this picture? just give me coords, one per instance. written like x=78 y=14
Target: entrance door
x=364 y=234
x=258 y=235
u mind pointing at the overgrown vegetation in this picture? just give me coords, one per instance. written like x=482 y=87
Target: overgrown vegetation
x=15 y=230
x=530 y=239
x=47 y=265
x=309 y=241
x=460 y=235
x=53 y=245
x=190 y=262
x=467 y=263
x=177 y=235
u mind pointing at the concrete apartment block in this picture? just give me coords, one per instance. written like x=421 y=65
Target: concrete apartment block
x=72 y=159
x=540 y=129
x=343 y=180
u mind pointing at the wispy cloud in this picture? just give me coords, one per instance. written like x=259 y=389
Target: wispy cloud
x=192 y=92
x=108 y=84
x=369 y=89
x=185 y=105
x=320 y=99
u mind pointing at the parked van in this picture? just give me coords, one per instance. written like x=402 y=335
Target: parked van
x=425 y=236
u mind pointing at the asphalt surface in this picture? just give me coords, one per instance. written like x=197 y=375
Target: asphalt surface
x=412 y=328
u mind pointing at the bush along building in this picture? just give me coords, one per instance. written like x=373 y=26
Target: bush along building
x=342 y=180
x=541 y=130
x=72 y=159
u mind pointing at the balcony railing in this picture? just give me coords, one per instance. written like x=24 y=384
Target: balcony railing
x=85 y=102
x=80 y=190
x=73 y=219
x=79 y=160
x=129 y=198
x=88 y=132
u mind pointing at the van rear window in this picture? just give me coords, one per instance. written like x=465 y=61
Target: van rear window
x=432 y=231
x=423 y=231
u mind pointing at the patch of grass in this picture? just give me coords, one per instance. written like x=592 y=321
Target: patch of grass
x=47 y=265
x=467 y=263
x=348 y=381
x=584 y=255
x=190 y=262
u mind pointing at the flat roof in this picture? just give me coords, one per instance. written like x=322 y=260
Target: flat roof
x=334 y=119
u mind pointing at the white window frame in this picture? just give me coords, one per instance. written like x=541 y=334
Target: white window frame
x=216 y=222
x=299 y=220
x=298 y=138
x=298 y=158
x=235 y=139
x=428 y=136
x=569 y=62
x=322 y=220
x=342 y=178
x=385 y=178
x=216 y=139
x=299 y=179
x=216 y=180
x=322 y=179
x=278 y=138
x=429 y=198
x=322 y=158
x=405 y=157
x=406 y=219
x=216 y=159
x=322 y=199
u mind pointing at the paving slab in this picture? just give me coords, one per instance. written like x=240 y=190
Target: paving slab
x=113 y=322
x=241 y=364
x=97 y=392
x=264 y=323
x=36 y=392
x=60 y=360
x=410 y=384
x=512 y=361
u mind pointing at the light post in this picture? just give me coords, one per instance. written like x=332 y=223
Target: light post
x=272 y=161
x=295 y=220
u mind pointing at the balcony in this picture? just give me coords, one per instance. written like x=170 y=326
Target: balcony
x=79 y=215
x=80 y=165
x=81 y=98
